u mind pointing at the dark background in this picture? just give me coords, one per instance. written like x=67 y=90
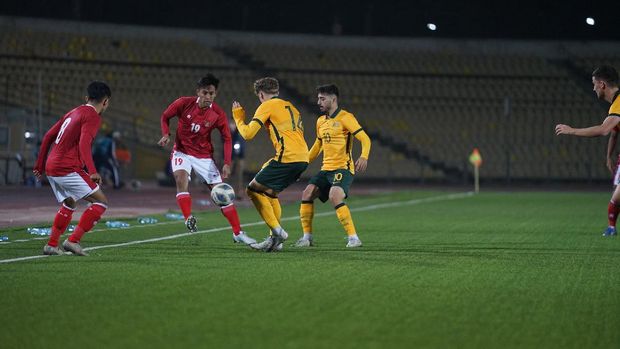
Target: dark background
x=457 y=19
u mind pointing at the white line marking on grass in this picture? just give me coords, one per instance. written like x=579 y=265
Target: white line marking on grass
x=95 y=230
x=321 y=214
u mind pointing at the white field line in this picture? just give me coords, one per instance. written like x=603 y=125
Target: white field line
x=322 y=214
x=93 y=231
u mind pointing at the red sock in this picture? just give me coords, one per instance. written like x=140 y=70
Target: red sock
x=612 y=213
x=61 y=222
x=185 y=203
x=90 y=217
x=230 y=212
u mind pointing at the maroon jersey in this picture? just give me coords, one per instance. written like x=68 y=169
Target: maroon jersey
x=71 y=138
x=194 y=128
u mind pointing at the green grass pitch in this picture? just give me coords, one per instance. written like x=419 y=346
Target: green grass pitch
x=492 y=270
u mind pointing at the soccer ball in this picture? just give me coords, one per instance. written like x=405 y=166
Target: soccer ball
x=222 y=194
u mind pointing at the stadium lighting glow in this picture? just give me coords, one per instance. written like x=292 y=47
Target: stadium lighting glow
x=590 y=21
x=431 y=26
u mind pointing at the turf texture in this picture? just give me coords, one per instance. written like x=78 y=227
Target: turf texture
x=490 y=270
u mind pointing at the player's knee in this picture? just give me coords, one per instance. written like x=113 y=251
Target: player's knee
x=248 y=191
x=336 y=196
x=101 y=200
x=271 y=193
x=335 y=201
x=181 y=177
x=69 y=202
x=306 y=195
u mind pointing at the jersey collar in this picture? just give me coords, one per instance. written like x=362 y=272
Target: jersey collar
x=208 y=107
x=92 y=106
x=334 y=114
x=615 y=96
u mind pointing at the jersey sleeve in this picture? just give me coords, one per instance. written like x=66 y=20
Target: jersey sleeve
x=88 y=131
x=614 y=110
x=350 y=123
x=45 y=146
x=353 y=126
x=247 y=131
x=222 y=126
x=262 y=113
x=173 y=110
x=316 y=149
x=365 y=140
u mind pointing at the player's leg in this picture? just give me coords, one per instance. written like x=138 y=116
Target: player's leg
x=181 y=169
x=61 y=222
x=90 y=217
x=341 y=181
x=306 y=214
x=261 y=196
x=263 y=191
x=209 y=172
x=613 y=209
x=78 y=185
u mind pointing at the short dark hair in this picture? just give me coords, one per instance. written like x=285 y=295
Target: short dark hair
x=267 y=85
x=329 y=89
x=606 y=73
x=98 y=91
x=207 y=80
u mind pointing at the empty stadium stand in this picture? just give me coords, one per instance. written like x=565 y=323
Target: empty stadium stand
x=426 y=106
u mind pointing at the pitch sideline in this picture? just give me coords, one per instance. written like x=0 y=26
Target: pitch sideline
x=322 y=214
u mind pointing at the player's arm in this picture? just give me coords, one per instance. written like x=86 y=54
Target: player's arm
x=248 y=131
x=169 y=113
x=358 y=132
x=88 y=132
x=316 y=149
x=362 y=162
x=599 y=130
x=39 y=167
x=611 y=146
x=222 y=126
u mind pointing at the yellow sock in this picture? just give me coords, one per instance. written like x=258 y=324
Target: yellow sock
x=306 y=214
x=344 y=215
x=277 y=209
x=264 y=208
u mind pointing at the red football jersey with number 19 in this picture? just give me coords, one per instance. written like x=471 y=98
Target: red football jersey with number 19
x=194 y=128
x=71 y=137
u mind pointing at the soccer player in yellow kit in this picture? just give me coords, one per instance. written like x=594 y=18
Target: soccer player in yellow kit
x=605 y=81
x=334 y=136
x=283 y=122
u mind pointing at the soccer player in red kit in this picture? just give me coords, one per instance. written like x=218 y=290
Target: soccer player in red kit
x=71 y=138
x=193 y=150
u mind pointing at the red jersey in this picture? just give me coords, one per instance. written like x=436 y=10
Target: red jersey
x=194 y=128
x=71 y=137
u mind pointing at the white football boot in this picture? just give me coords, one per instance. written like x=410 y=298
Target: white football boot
x=354 y=243
x=303 y=242
x=243 y=238
x=74 y=247
x=279 y=236
x=190 y=223
x=266 y=245
x=52 y=251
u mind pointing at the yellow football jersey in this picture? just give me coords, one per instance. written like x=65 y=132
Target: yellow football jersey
x=335 y=137
x=283 y=122
x=614 y=109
